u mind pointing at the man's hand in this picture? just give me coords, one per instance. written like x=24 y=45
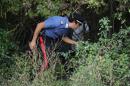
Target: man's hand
x=32 y=45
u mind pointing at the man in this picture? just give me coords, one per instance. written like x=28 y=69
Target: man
x=57 y=27
x=80 y=32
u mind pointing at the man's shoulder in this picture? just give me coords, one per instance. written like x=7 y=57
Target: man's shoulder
x=56 y=22
x=58 y=17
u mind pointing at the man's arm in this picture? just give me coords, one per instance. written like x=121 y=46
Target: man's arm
x=69 y=41
x=39 y=27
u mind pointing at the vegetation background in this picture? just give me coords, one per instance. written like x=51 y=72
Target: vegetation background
x=102 y=59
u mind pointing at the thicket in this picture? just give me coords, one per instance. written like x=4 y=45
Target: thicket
x=101 y=63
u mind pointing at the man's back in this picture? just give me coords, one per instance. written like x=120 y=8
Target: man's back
x=56 y=27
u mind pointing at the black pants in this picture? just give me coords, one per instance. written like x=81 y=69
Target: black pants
x=58 y=45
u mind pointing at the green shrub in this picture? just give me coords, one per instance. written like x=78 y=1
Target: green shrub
x=105 y=62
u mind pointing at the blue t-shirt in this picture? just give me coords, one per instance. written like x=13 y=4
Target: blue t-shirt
x=56 y=27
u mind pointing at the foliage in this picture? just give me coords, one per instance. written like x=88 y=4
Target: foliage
x=6 y=62
x=103 y=63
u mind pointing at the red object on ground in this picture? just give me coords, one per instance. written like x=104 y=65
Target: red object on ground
x=45 y=59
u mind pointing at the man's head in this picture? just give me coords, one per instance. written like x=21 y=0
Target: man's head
x=75 y=20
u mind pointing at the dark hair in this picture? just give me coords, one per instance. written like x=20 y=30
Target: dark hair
x=76 y=17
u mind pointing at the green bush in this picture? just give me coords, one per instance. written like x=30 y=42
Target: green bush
x=105 y=62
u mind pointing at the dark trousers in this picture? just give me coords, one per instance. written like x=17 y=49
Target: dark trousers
x=57 y=45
